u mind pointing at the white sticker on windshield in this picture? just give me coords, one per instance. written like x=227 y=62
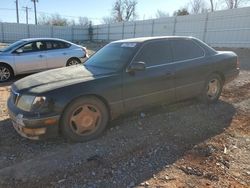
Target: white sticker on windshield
x=128 y=45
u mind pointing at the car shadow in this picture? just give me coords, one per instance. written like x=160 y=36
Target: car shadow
x=6 y=84
x=135 y=146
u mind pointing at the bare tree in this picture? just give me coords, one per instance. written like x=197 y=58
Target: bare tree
x=235 y=3
x=130 y=6
x=197 y=6
x=212 y=5
x=72 y=22
x=124 y=10
x=83 y=21
x=107 y=20
x=161 y=14
x=54 y=19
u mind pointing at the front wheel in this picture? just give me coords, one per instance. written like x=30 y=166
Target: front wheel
x=84 y=119
x=6 y=73
x=212 y=89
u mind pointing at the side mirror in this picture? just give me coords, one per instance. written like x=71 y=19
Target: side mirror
x=18 y=51
x=136 y=66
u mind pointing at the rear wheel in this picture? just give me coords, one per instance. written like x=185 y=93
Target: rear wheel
x=6 y=73
x=73 y=61
x=84 y=119
x=212 y=89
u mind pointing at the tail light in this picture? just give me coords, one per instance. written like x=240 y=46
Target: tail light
x=86 y=52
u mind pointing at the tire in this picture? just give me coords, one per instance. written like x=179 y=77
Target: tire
x=212 y=89
x=6 y=73
x=84 y=119
x=73 y=61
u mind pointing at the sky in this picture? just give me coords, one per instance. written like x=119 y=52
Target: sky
x=93 y=9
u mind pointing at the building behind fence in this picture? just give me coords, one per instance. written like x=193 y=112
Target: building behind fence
x=228 y=28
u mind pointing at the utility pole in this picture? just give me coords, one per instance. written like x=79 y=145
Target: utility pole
x=17 y=13
x=27 y=14
x=35 y=1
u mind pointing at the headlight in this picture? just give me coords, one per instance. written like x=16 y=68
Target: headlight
x=38 y=102
x=28 y=102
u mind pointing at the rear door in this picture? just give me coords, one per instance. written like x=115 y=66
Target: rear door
x=191 y=68
x=156 y=83
x=58 y=53
x=30 y=58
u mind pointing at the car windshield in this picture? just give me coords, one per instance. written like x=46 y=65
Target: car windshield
x=13 y=46
x=113 y=56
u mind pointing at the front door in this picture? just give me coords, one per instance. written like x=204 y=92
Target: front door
x=156 y=83
x=30 y=58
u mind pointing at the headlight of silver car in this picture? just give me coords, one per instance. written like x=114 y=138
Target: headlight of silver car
x=29 y=102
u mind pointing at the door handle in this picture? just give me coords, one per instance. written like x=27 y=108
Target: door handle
x=41 y=56
x=64 y=53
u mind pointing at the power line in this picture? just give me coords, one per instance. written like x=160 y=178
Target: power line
x=48 y=13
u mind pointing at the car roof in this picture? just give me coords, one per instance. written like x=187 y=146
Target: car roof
x=36 y=39
x=144 y=39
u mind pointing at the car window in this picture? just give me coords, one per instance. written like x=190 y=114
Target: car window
x=53 y=45
x=155 y=53
x=14 y=45
x=59 y=45
x=31 y=47
x=186 y=49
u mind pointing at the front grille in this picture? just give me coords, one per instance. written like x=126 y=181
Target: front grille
x=14 y=96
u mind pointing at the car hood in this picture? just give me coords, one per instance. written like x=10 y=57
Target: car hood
x=57 y=78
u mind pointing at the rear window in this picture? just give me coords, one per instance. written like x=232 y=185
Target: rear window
x=186 y=49
x=51 y=45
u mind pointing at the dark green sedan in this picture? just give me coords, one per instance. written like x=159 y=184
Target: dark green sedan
x=125 y=75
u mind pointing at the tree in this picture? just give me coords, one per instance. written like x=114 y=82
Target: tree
x=54 y=19
x=83 y=21
x=212 y=5
x=161 y=14
x=124 y=10
x=235 y=3
x=197 y=6
x=107 y=20
x=181 y=12
x=72 y=22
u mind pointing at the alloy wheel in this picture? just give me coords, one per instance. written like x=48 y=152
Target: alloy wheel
x=213 y=88
x=4 y=73
x=73 y=62
x=85 y=119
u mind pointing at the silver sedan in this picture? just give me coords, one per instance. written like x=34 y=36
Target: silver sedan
x=35 y=55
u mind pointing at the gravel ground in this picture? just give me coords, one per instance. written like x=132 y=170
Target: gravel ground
x=188 y=144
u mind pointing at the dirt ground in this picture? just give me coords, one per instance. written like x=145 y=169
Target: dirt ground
x=188 y=144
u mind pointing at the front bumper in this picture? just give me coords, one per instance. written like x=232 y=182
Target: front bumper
x=33 y=127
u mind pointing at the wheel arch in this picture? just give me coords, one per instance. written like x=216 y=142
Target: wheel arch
x=77 y=58
x=8 y=65
x=98 y=97
x=220 y=74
